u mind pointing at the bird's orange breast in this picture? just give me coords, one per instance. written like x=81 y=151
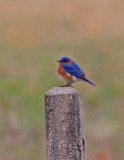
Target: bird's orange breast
x=64 y=75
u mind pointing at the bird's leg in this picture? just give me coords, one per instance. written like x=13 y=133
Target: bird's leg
x=67 y=85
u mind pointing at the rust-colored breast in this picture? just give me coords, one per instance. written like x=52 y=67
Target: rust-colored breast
x=64 y=75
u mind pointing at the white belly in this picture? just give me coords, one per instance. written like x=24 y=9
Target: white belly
x=74 y=79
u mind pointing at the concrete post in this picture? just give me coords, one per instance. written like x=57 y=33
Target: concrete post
x=64 y=124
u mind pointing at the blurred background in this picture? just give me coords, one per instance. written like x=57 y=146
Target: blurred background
x=34 y=34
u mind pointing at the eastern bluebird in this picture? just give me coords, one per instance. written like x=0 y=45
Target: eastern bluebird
x=70 y=72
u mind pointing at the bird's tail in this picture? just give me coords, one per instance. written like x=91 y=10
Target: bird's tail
x=85 y=79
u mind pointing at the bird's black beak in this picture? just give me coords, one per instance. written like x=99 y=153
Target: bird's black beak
x=59 y=61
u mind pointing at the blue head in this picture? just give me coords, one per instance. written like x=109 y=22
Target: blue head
x=64 y=60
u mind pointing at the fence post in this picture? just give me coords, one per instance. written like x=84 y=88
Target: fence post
x=64 y=124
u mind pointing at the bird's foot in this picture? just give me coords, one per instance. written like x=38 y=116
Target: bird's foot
x=67 y=85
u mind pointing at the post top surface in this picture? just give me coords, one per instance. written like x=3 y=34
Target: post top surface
x=61 y=90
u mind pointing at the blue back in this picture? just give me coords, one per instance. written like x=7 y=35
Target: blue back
x=73 y=69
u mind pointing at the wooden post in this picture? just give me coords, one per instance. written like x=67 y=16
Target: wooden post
x=64 y=124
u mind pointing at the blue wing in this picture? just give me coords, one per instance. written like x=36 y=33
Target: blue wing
x=75 y=71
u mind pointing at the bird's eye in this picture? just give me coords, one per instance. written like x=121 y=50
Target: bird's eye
x=64 y=61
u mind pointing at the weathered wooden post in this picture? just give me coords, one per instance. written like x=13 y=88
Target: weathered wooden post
x=64 y=124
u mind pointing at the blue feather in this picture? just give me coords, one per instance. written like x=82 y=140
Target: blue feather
x=85 y=79
x=91 y=83
x=76 y=71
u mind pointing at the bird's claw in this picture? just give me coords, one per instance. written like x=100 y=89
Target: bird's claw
x=67 y=85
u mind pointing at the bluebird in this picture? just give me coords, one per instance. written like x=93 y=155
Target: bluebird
x=70 y=72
